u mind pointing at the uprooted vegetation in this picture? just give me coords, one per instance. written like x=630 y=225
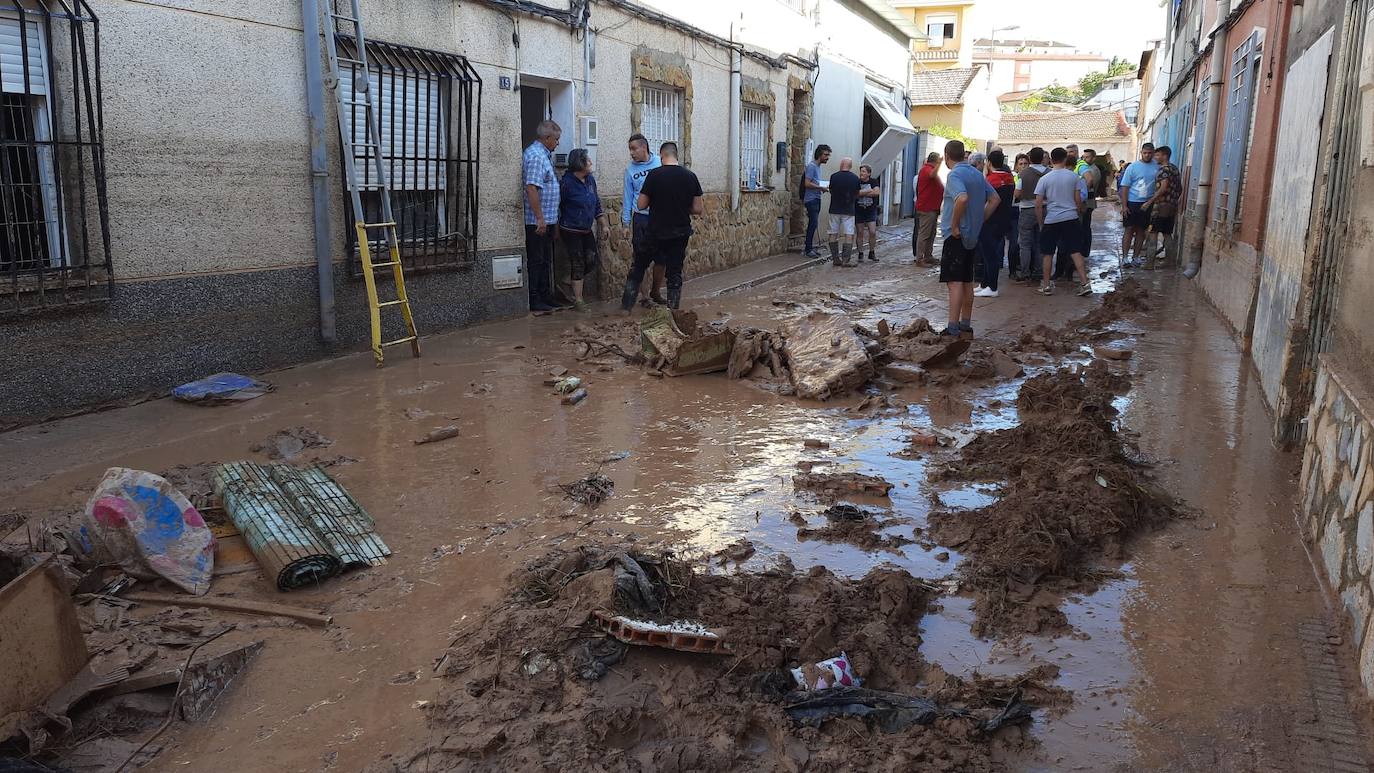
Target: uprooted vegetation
x=538 y=685
x=1074 y=494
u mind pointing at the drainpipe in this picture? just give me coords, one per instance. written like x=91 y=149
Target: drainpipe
x=319 y=166
x=733 y=163
x=1197 y=236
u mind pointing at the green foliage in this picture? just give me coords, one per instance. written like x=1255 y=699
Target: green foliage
x=950 y=133
x=1057 y=93
x=1090 y=84
x=1121 y=66
x=1032 y=102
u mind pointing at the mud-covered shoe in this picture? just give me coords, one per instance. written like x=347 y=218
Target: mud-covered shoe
x=582 y=306
x=1085 y=289
x=871 y=257
x=1045 y=289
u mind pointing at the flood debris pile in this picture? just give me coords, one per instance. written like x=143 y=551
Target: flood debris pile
x=855 y=526
x=1074 y=493
x=611 y=660
x=591 y=490
x=1128 y=298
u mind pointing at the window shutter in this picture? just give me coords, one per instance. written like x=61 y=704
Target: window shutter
x=13 y=50
x=1244 y=121
x=413 y=130
x=1199 y=149
x=1239 y=93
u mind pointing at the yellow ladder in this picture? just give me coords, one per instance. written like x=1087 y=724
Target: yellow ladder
x=374 y=304
x=347 y=45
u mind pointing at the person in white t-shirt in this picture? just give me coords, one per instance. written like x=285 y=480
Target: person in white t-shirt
x=1058 y=205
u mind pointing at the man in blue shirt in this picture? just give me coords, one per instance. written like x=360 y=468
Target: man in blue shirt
x=642 y=161
x=541 y=213
x=811 y=197
x=969 y=201
x=1137 y=186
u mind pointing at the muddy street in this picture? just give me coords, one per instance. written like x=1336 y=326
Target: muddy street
x=1192 y=635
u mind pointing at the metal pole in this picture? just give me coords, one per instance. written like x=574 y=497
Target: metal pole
x=1216 y=79
x=319 y=166
x=733 y=136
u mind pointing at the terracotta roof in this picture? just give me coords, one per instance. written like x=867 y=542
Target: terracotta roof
x=941 y=87
x=1067 y=127
x=1019 y=43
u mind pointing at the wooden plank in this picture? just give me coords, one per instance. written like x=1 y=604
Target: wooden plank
x=233 y=605
x=41 y=641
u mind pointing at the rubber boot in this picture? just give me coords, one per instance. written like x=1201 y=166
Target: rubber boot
x=844 y=255
x=835 y=253
x=675 y=297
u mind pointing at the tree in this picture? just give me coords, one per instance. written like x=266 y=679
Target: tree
x=1032 y=102
x=951 y=133
x=1090 y=84
x=1120 y=66
x=1057 y=93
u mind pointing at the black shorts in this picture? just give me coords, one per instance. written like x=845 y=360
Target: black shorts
x=957 y=261
x=1136 y=216
x=869 y=215
x=1162 y=225
x=1064 y=236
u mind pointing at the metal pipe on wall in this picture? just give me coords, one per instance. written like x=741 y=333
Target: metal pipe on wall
x=736 y=64
x=1197 y=236
x=319 y=165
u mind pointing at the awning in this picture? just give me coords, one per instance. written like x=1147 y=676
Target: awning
x=895 y=136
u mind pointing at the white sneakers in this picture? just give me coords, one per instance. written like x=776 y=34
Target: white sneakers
x=985 y=292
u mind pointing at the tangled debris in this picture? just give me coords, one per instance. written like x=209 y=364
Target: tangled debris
x=287 y=444
x=854 y=526
x=535 y=686
x=591 y=490
x=838 y=483
x=1075 y=494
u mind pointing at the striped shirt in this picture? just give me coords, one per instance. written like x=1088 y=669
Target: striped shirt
x=538 y=171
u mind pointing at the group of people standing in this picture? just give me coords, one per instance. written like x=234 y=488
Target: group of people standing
x=660 y=199
x=853 y=212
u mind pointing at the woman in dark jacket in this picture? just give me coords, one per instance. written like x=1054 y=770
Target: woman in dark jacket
x=581 y=222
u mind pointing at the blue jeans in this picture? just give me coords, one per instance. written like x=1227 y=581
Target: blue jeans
x=813 y=217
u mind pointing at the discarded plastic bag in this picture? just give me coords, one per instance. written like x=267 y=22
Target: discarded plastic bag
x=222 y=388
x=142 y=523
x=833 y=672
x=891 y=712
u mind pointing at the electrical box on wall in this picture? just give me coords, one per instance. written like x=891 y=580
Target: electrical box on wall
x=589 y=128
x=780 y=157
x=507 y=272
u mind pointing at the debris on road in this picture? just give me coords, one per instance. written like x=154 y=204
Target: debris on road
x=302 y=526
x=1113 y=353
x=814 y=443
x=43 y=645
x=843 y=483
x=138 y=521
x=682 y=635
x=289 y=443
x=826 y=357
x=221 y=388
x=755 y=349
x=575 y=397
x=831 y=672
x=234 y=605
x=679 y=346
x=567 y=385
x=738 y=552
x=591 y=490
x=854 y=526
x=437 y=434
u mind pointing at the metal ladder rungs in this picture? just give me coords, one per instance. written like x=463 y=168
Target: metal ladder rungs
x=405 y=340
x=384 y=304
x=348 y=19
x=379 y=225
x=387 y=264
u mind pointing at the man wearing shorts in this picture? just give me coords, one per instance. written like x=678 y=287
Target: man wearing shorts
x=1058 y=205
x=1163 y=206
x=844 y=192
x=672 y=195
x=969 y=201
x=1137 y=186
x=866 y=214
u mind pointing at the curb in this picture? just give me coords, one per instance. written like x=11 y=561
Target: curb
x=755 y=282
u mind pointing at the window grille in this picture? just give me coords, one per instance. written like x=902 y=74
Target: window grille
x=54 y=215
x=660 y=116
x=429 y=108
x=753 y=150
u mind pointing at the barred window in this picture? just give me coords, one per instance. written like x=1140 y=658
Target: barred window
x=660 y=116
x=753 y=149
x=427 y=105
x=54 y=219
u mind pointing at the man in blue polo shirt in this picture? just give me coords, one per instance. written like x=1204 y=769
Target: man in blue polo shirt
x=1137 y=186
x=969 y=201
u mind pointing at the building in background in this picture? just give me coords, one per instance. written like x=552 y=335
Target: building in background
x=1029 y=65
x=957 y=98
x=945 y=37
x=1118 y=93
x=1104 y=131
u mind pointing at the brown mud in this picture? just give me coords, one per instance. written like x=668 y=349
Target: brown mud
x=532 y=685
x=855 y=526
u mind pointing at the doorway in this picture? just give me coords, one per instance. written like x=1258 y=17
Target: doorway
x=534 y=107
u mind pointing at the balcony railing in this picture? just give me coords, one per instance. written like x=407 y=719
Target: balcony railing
x=936 y=55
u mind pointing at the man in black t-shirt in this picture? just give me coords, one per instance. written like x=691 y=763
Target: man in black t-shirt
x=672 y=195
x=844 y=192
x=866 y=214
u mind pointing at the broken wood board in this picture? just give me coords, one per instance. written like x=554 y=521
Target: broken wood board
x=685 y=349
x=827 y=358
x=233 y=605
x=41 y=641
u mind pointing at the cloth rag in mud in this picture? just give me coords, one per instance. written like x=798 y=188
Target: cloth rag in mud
x=685 y=349
x=300 y=524
x=142 y=523
x=891 y=712
x=221 y=388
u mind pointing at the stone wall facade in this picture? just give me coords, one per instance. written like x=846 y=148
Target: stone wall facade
x=1338 y=498
x=723 y=239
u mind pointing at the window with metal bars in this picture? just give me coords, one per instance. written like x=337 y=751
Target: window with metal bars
x=429 y=112
x=660 y=116
x=753 y=148
x=54 y=218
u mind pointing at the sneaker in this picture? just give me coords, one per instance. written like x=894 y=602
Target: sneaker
x=811 y=254
x=981 y=292
x=1045 y=290
x=989 y=293
x=1085 y=289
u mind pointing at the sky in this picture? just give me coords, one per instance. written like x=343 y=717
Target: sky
x=1113 y=27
